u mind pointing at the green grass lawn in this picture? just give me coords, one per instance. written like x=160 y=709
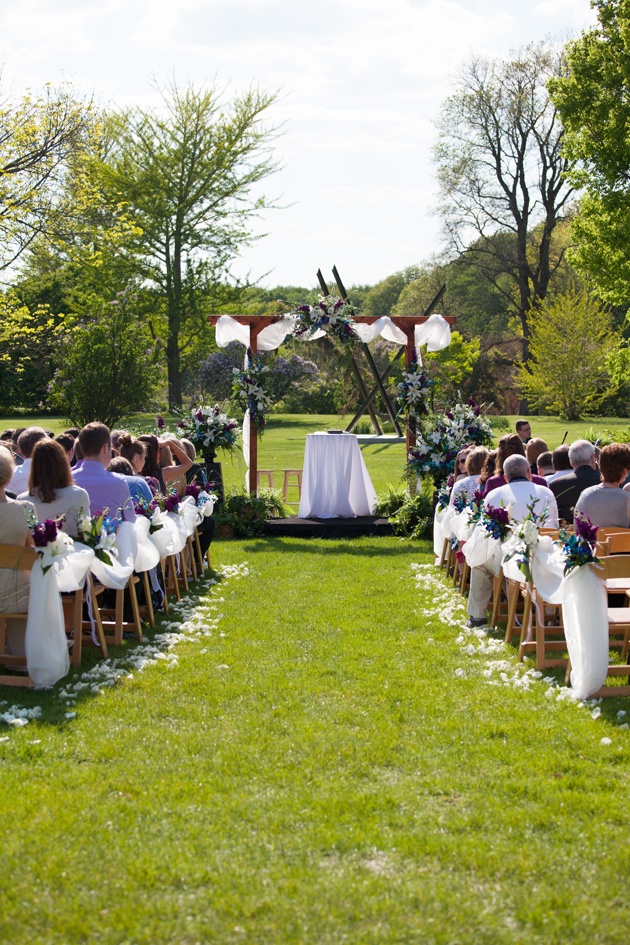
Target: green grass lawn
x=327 y=757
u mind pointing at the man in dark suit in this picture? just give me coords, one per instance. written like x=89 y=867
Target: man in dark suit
x=568 y=489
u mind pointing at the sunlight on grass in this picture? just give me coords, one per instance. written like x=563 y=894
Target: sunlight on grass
x=328 y=760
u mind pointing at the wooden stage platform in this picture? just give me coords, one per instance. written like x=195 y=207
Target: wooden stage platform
x=327 y=527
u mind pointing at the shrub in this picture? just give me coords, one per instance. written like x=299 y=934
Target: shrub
x=411 y=516
x=247 y=514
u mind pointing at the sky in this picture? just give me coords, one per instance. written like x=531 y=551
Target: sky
x=359 y=82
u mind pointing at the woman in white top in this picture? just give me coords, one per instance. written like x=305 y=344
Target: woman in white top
x=50 y=487
x=474 y=464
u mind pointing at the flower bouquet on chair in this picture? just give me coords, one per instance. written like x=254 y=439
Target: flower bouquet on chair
x=483 y=549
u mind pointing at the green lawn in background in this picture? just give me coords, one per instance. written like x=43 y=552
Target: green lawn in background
x=282 y=446
x=330 y=765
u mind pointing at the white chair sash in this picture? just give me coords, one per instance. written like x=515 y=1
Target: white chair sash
x=147 y=553
x=46 y=645
x=117 y=574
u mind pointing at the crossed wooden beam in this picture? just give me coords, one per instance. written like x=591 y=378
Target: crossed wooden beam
x=368 y=397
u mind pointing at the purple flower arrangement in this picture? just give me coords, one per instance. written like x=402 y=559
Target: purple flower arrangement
x=333 y=315
x=579 y=547
x=460 y=501
x=46 y=532
x=193 y=490
x=247 y=387
x=209 y=429
x=496 y=520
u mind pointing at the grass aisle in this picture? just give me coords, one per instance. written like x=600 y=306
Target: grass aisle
x=334 y=764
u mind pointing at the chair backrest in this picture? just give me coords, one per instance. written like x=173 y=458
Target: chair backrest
x=614 y=541
x=17 y=558
x=612 y=566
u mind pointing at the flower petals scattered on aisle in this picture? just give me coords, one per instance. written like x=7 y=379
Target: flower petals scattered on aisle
x=196 y=619
x=488 y=658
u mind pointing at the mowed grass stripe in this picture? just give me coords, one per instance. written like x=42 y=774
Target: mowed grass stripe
x=318 y=772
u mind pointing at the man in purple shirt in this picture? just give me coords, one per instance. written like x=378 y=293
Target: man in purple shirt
x=106 y=490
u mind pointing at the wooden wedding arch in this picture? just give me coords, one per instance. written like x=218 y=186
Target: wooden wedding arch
x=406 y=323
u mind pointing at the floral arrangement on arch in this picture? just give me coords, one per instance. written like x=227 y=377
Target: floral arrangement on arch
x=413 y=393
x=332 y=315
x=248 y=389
x=209 y=429
x=439 y=441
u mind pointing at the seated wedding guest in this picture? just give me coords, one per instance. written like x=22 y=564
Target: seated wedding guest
x=67 y=442
x=509 y=445
x=523 y=431
x=152 y=471
x=518 y=493
x=544 y=466
x=607 y=504
x=568 y=488
x=534 y=448
x=115 y=435
x=73 y=432
x=7 y=434
x=51 y=489
x=474 y=465
x=106 y=490
x=196 y=473
x=174 y=473
x=14 y=530
x=26 y=444
x=561 y=462
x=133 y=450
x=488 y=469
x=137 y=485
x=78 y=455
x=460 y=464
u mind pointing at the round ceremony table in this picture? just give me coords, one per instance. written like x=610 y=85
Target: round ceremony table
x=335 y=481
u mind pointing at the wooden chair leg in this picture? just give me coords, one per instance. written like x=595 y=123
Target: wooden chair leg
x=172 y=572
x=526 y=643
x=182 y=567
x=96 y=614
x=148 y=599
x=191 y=555
x=131 y=587
x=514 y=590
x=200 y=559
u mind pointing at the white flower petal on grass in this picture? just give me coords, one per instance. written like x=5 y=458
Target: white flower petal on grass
x=595 y=714
x=18 y=723
x=460 y=673
x=71 y=715
x=606 y=741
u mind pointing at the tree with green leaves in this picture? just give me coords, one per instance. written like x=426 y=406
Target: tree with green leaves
x=503 y=174
x=189 y=173
x=39 y=136
x=109 y=365
x=593 y=101
x=571 y=343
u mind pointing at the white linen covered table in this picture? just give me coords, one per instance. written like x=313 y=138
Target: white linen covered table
x=335 y=481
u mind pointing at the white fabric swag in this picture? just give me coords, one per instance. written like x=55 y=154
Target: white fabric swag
x=435 y=333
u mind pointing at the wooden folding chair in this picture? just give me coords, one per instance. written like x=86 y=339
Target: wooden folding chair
x=113 y=618
x=14 y=558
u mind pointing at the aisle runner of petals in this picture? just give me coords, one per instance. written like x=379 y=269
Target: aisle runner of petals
x=449 y=607
x=197 y=618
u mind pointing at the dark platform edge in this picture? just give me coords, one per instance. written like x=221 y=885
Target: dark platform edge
x=327 y=527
